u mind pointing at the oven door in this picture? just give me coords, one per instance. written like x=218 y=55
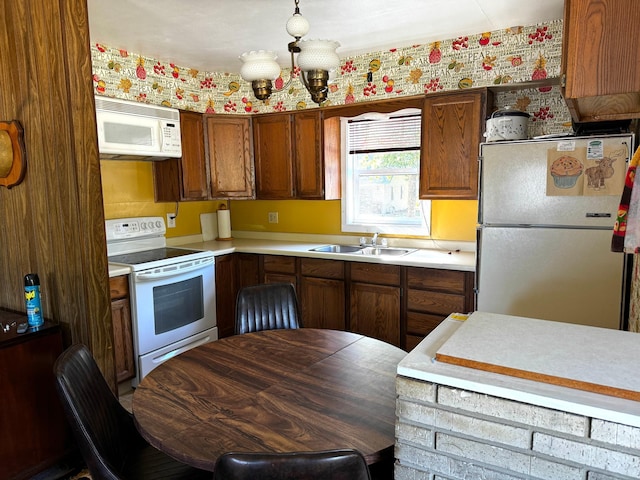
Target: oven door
x=172 y=302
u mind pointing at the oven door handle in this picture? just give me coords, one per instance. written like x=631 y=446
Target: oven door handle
x=168 y=272
x=178 y=351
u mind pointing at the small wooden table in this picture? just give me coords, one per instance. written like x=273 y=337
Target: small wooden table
x=272 y=391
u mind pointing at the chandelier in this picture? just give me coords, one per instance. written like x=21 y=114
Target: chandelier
x=316 y=58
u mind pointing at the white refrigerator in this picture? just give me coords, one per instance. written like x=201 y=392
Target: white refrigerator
x=545 y=225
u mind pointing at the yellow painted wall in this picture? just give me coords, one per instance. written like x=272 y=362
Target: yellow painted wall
x=128 y=192
x=450 y=219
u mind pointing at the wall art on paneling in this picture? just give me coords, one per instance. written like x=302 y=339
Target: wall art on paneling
x=13 y=157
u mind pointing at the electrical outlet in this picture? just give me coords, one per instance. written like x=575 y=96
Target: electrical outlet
x=273 y=217
x=171 y=220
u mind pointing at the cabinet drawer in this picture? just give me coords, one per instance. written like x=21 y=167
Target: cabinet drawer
x=279 y=264
x=119 y=287
x=422 y=323
x=435 y=302
x=433 y=279
x=376 y=274
x=312 y=267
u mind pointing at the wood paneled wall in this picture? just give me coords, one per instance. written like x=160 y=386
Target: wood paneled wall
x=53 y=222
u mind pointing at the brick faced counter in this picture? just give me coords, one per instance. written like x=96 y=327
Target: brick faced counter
x=496 y=427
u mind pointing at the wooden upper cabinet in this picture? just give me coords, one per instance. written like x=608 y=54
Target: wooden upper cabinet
x=184 y=178
x=307 y=154
x=297 y=155
x=215 y=165
x=273 y=154
x=194 y=173
x=452 y=127
x=601 y=59
x=228 y=141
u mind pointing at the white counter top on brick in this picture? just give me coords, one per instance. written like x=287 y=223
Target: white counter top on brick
x=420 y=364
x=422 y=257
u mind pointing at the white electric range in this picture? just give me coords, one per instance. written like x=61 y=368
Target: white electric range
x=172 y=291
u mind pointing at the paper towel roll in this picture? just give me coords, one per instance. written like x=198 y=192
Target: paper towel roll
x=224 y=225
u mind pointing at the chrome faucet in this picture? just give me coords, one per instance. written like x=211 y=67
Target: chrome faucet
x=374 y=239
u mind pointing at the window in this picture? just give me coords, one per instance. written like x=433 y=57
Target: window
x=380 y=174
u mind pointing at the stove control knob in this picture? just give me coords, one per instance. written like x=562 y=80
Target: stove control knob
x=159 y=224
x=143 y=225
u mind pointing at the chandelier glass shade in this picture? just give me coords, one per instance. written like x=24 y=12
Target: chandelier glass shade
x=316 y=59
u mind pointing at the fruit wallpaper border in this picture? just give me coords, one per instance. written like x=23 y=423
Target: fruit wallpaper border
x=517 y=54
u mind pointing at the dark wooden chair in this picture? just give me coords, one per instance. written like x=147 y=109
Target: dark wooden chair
x=104 y=431
x=345 y=464
x=267 y=306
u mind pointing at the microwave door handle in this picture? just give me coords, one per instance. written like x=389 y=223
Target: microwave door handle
x=157 y=275
x=161 y=139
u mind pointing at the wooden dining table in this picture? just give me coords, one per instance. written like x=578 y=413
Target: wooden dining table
x=273 y=391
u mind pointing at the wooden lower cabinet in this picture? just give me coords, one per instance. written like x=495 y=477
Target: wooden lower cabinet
x=396 y=304
x=322 y=293
x=122 y=328
x=34 y=433
x=226 y=292
x=374 y=306
x=277 y=268
x=432 y=295
x=233 y=272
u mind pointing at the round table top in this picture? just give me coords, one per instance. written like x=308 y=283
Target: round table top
x=272 y=391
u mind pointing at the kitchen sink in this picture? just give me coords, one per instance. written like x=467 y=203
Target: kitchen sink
x=386 y=251
x=358 y=250
x=337 y=249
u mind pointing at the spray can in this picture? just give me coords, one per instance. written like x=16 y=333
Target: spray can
x=32 y=300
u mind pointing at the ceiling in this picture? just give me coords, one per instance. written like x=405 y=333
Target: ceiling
x=209 y=35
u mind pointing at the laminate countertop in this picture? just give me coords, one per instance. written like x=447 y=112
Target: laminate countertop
x=441 y=258
x=453 y=259
x=573 y=368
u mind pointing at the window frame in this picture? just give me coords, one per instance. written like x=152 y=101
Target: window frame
x=347 y=224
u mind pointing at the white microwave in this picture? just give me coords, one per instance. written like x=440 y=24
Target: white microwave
x=137 y=131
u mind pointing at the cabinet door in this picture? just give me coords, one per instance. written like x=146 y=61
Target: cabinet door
x=322 y=293
x=226 y=292
x=183 y=178
x=322 y=303
x=375 y=311
x=273 y=156
x=35 y=433
x=601 y=59
x=122 y=339
x=230 y=159
x=248 y=269
x=122 y=328
x=452 y=125
x=307 y=147
x=601 y=47
x=194 y=173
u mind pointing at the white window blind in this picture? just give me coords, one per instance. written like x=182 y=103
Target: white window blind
x=392 y=135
